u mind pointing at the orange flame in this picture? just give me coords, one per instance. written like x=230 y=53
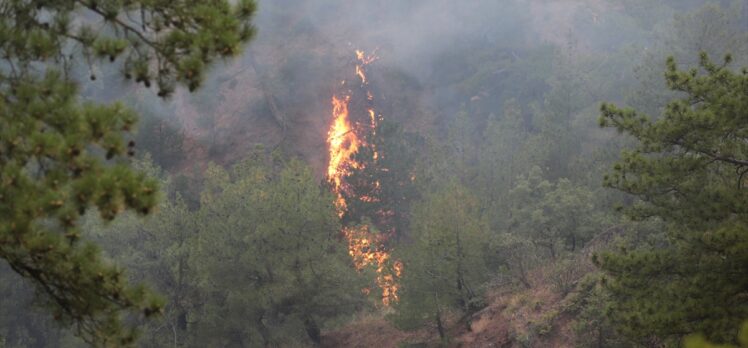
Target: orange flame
x=364 y=247
x=360 y=73
x=343 y=144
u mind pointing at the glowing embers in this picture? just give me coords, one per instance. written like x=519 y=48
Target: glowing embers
x=345 y=138
x=360 y=73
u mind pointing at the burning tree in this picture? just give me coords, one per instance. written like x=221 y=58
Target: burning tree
x=370 y=195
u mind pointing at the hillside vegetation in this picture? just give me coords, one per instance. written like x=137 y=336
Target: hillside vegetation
x=545 y=173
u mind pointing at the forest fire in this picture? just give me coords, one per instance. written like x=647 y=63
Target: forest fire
x=345 y=138
x=343 y=144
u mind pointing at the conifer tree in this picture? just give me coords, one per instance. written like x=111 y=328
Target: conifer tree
x=155 y=249
x=549 y=214
x=689 y=169
x=382 y=189
x=271 y=266
x=446 y=263
x=60 y=157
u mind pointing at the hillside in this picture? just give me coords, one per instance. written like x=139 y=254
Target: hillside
x=547 y=314
x=279 y=95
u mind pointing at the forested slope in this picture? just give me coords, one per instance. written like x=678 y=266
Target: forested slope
x=546 y=173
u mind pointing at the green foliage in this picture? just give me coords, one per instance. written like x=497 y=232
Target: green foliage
x=51 y=174
x=687 y=169
x=445 y=264
x=514 y=255
x=386 y=181
x=259 y=262
x=592 y=326
x=504 y=155
x=270 y=260
x=551 y=214
x=156 y=250
x=698 y=341
x=52 y=146
x=252 y=255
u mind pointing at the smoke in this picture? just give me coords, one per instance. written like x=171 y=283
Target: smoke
x=436 y=56
x=407 y=34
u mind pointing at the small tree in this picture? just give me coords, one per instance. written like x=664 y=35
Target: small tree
x=445 y=265
x=383 y=188
x=271 y=265
x=157 y=250
x=551 y=214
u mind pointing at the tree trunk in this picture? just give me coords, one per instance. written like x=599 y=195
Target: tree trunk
x=312 y=329
x=573 y=242
x=439 y=325
x=552 y=248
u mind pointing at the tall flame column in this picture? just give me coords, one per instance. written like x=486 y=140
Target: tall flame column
x=345 y=139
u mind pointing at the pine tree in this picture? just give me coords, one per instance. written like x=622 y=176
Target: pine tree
x=271 y=265
x=384 y=187
x=698 y=341
x=502 y=160
x=445 y=265
x=157 y=250
x=688 y=170
x=549 y=214
x=60 y=157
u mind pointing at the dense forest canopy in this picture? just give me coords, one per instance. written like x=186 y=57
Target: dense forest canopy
x=516 y=173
